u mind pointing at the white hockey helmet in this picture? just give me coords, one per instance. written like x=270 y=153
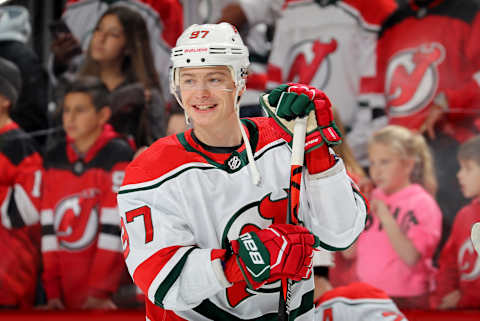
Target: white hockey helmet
x=210 y=45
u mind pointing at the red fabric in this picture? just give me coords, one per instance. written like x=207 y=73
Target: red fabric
x=106 y=136
x=148 y=270
x=444 y=56
x=358 y=290
x=19 y=245
x=459 y=262
x=156 y=313
x=74 y=264
x=294 y=262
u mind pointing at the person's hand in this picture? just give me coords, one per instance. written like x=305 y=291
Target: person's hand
x=277 y=252
x=64 y=48
x=52 y=304
x=450 y=300
x=380 y=209
x=93 y=303
x=435 y=113
x=290 y=101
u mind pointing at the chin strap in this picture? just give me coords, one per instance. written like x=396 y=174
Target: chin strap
x=255 y=174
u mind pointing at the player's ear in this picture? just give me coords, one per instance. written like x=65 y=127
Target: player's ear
x=104 y=114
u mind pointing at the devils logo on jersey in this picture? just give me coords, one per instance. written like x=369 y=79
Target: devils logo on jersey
x=310 y=62
x=253 y=217
x=76 y=219
x=412 y=79
x=468 y=261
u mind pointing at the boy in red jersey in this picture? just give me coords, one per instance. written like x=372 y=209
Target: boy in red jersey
x=81 y=232
x=458 y=279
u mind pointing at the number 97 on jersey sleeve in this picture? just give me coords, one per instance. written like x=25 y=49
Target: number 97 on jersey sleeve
x=143 y=213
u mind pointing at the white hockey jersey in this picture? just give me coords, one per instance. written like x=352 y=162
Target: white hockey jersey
x=357 y=302
x=182 y=202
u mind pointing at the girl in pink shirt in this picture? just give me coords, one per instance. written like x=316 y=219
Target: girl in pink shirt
x=404 y=227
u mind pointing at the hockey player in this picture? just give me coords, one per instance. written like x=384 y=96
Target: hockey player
x=357 y=301
x=81 y=234
x=20 y=182
x=203 y=211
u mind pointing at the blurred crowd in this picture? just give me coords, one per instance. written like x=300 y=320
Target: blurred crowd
x=403 y=75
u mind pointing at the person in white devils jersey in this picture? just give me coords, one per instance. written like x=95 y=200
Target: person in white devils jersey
x=203 y=212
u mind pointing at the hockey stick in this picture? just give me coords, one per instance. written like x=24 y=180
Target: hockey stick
x=296 y=166
x=475 y=236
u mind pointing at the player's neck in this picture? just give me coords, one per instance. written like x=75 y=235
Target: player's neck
x=220 y=136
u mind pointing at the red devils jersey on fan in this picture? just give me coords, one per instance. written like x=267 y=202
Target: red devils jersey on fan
x=80 y=224
x=425 y=51
x=20 y=178
x=459 y=263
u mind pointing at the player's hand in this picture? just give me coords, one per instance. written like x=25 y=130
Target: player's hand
x=450 y=300
x=287 y=102
x=93 y=303
x=277 y=252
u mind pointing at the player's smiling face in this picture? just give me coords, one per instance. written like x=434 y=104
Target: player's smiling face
x=207 y=94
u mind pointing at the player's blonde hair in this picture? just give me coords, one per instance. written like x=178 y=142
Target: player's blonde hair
x=410 y=145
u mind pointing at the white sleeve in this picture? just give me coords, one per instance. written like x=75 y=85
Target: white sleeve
x=168 y=268
x=331 y=208
x=261 y=11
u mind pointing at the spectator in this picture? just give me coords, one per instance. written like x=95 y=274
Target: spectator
x=119 y=54
x=81 y=233
x=163 y=19
x=30 y=112
x=458 y=280
x=177 y=122
x=20 y=182
x=353 y=302
x=429 y=83
x=395 y=251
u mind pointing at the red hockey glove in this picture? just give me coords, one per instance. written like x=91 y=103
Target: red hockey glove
x=287 y=102
x=277 y=252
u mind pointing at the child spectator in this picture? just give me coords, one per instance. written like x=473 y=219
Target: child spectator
x=119 y=53
x=458 y=280
x=20 y=179
x=81 y=231
x=395 y=251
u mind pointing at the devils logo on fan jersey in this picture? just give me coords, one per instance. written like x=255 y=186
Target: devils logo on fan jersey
x=253 y=217
x=310 y=63
x=412 y=79
x=76 y=219
x=468 y=262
